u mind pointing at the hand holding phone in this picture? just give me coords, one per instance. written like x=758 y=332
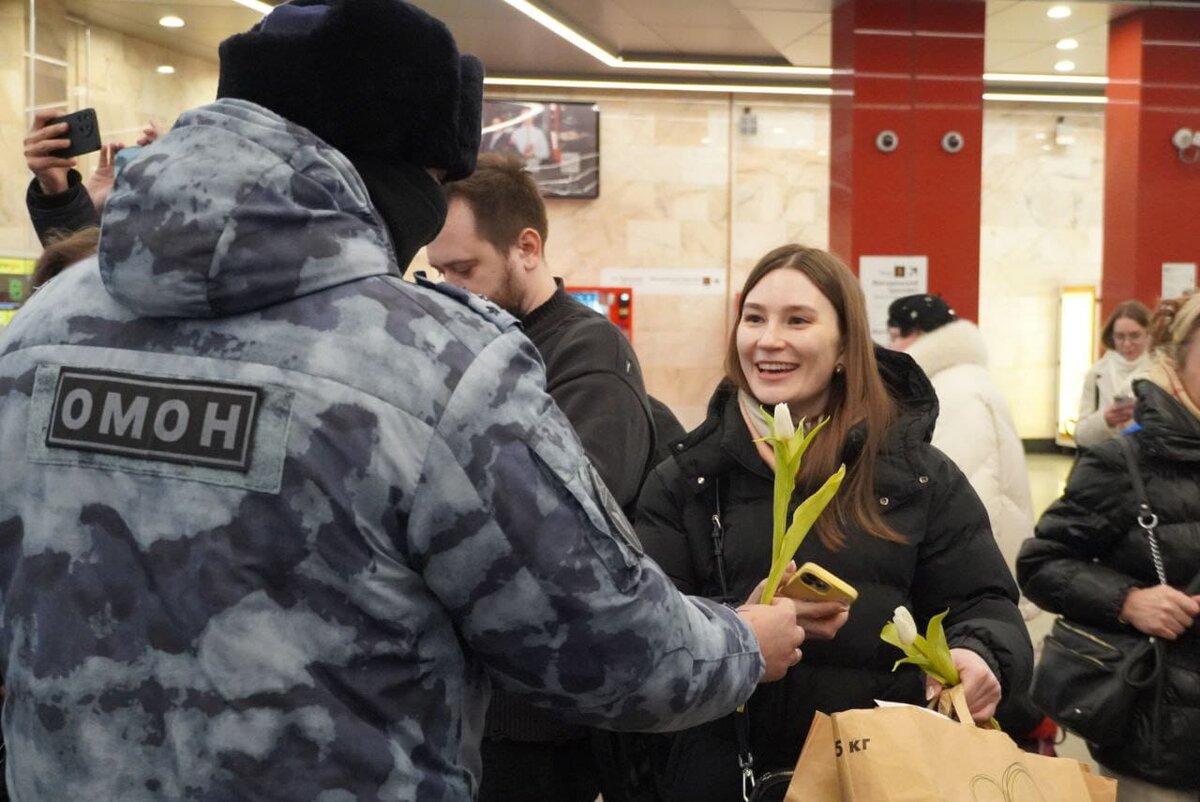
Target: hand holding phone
x=83 y=130
x=811 y=582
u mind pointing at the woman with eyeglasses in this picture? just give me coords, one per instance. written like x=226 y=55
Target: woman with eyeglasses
x=1106 y=405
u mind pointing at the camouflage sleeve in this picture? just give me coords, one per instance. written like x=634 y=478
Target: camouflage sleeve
x=544 y=578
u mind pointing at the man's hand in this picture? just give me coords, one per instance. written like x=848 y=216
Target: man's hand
x=50 y=171
x=779 y=636
x=1160 y=610
x=100 y=183
x=979 y=683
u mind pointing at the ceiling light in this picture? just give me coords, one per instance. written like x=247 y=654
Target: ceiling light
x=1058 y=12
x=255 y=5
x=171 y=21
x=165 y=69
x=1067 y=44
x=1066 y=65
x=741 y=89
x=1042 y=78
x=1020 y=97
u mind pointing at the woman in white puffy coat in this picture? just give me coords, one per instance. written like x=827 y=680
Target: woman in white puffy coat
x=974 y=427
x=1106 y=404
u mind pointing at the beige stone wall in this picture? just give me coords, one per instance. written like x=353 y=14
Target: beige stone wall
x=14 y=223
x=109 y=71
x=680 y=188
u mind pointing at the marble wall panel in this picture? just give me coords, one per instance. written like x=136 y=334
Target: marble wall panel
x=14 y=223
x=1042 y=210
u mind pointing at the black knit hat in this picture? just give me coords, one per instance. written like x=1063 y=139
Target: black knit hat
x=376 y=77
x=920 y=313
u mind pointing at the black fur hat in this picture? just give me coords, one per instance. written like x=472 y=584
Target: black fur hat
x=375 y=77
x=919 y=312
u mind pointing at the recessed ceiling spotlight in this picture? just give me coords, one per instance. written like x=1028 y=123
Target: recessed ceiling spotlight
x=1067 y=44
x=1058 y=12
x=1065 y=65
x=165 y=69
x=171 y=21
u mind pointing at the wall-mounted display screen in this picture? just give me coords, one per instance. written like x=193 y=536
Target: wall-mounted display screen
x=559 y=142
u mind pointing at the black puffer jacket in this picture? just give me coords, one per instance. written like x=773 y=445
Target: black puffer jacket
x=1089 y=553
x=950 y=561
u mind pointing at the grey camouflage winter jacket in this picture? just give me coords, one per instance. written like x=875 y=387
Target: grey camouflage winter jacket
x=272 y=520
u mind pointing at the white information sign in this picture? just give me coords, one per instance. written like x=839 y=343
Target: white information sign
x=886 y=278
x=1178 y=278
x=666 y=280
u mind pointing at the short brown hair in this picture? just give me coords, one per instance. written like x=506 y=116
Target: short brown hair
x=857 y=397
x=504 y=199
x=63 y=252
x=1136 y=311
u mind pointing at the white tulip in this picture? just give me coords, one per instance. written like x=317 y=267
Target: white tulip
x=906 y=627
x=784 y=428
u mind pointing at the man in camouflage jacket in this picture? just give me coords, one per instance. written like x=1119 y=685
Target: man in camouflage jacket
x=273 y=520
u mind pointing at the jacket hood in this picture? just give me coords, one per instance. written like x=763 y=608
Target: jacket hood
x=1168 y=429
x=234 y=210
x=957 y=343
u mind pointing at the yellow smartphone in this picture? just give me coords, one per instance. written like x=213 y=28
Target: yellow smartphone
x=814 y=583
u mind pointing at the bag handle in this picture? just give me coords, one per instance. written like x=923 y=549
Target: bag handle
x=954 y=700
x=1146 y=518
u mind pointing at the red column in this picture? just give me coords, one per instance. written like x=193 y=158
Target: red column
x=1150 y=195
x=914 y=67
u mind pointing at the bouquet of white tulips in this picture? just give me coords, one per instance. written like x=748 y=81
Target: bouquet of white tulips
x=790 y=445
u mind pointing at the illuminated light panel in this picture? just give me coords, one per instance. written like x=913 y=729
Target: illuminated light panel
x=1066 y=65
x=1043 y=78
x=658 y=86
x=1067 y=44
x=165 y=69
x=255 y=5
x=171 y=21
x=1076 y=344
x=1058 y=12
x=1017 y=97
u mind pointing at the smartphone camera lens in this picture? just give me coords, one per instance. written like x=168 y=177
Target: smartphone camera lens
x=816 y=583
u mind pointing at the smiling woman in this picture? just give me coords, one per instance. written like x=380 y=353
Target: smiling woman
x=905 y=528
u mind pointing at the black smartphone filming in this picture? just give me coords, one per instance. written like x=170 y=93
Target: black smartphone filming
x=83 y=129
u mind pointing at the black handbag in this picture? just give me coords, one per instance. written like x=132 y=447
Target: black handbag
x=1090 y=678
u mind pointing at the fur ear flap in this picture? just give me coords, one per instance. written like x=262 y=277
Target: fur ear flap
x=368 y=76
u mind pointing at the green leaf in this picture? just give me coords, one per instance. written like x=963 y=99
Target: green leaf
x=800 y=444
x=805 y=516
x=915 y=661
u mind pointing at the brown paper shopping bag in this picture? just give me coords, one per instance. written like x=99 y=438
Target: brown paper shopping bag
x=909 y=754
x=816 y=777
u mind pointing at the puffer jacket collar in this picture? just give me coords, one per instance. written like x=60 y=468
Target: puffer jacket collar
x=234 y=210
x=1169 y=430
x=721 y=441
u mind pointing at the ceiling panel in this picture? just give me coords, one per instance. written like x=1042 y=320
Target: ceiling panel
x=1020 y=37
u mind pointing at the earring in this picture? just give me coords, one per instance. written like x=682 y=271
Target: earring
x=839 y=369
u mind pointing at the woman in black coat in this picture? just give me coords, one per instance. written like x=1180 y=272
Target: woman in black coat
x=905 y=528
x=1091 y=561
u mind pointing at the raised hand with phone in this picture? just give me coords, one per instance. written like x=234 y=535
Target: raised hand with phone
x=59 y=199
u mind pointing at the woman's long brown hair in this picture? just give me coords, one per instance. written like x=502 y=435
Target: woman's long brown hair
x=857 y=395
